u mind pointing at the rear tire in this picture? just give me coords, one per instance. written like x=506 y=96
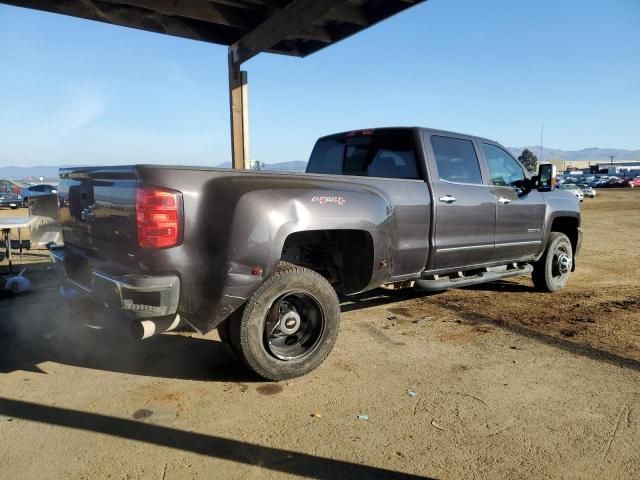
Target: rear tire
x=289 y=325
x=224 y=332
x=552 y=271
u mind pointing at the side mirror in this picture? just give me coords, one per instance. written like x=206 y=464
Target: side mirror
x=546 y=177
x=525 y=185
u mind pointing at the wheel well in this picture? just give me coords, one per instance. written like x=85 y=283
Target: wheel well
x=568 y=226
x=343 y=257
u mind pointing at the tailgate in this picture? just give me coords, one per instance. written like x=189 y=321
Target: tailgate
x=97 y=210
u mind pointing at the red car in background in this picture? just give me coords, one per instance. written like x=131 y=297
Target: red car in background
x=633 y=183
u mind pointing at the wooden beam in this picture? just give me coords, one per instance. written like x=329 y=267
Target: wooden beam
x=293 y=18
x=239 y=110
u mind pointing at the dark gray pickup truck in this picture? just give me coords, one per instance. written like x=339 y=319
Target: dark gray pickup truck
x=260 y=255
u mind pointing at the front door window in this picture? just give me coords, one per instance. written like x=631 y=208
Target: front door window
x=504 y=170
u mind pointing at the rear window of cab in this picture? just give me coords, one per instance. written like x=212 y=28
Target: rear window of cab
x=386 y=154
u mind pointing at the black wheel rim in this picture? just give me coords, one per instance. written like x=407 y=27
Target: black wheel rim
x=294 y=326
x=561 y=263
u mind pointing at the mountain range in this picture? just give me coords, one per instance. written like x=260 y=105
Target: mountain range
x=51 y=171
x=591 y=154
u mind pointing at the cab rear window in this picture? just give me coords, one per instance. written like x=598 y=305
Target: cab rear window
x=380 y=154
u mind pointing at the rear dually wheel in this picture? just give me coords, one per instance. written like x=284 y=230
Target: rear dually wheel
x=289 y=325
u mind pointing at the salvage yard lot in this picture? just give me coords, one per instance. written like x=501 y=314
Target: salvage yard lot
x=508 y=383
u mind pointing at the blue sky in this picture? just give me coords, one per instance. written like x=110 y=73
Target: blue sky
x=74 y=91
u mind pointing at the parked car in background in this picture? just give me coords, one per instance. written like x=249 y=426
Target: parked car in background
x=632 y=182
x=614 y=182
x=10 y=186
x=36 y=191
x=599 y=182
x=10 y=194
x=572 y=188
x=587 y=190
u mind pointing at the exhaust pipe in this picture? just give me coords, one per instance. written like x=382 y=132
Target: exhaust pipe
x=150 y=327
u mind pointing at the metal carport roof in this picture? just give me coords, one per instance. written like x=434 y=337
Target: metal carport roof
x=248 y=27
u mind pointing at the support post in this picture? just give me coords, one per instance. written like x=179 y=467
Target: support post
x=239 y=110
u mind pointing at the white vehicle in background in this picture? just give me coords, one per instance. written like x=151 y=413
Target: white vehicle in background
x=587 y=190
x=572 y=188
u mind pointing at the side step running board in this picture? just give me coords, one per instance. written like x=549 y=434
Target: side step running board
x=438 y=284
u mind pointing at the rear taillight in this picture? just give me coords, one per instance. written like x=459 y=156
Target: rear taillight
x=158 y=217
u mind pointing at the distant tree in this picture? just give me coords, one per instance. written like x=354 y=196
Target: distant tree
x=529 y=160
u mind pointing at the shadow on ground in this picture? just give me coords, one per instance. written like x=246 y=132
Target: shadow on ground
x=40 y=327
x=380 y=296
x=275 y=459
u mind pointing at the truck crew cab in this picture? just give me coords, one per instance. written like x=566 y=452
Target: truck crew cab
x=260 y=256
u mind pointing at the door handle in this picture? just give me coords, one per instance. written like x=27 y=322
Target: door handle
x=504 y=201
x=447 y=199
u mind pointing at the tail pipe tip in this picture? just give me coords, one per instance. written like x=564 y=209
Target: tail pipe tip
x=148 y=328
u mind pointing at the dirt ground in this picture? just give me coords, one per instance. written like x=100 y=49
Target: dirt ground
x=496 y=381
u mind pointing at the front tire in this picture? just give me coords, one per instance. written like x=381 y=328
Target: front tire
x=552 y=271
x=289 y=325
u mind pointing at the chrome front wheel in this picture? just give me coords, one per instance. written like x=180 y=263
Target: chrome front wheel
x=552 y=271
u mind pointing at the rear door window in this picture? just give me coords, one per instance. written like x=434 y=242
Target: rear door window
x=456 y=160
x=381 y=154
x=327 y=157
